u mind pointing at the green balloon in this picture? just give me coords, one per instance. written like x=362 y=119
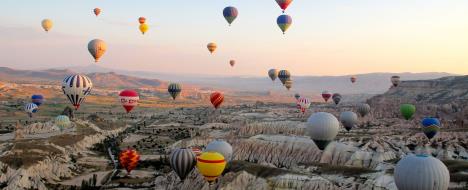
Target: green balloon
x=407 y=110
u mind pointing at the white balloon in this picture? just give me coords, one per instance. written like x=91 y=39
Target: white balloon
x=322 y=128
x=221 y=147
x=76 y=88
x=348 y=119
x=421 y=172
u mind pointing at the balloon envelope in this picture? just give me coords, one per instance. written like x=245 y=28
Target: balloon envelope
x=129 y=159
x=421 y=172
x=97 y=48
x=232 y=62
x=211 y=47
x=62 y=121
x=303 y=103
x=273 y=74
x=395 y=80
x=363 y=109
x=283 y=4
x=230 y=14
x=142 y=20
x=76 y=88
x=407 y=110
x=182 y=161
x=288 y=84
x=348 y=119
x=284 y=75
x=37 y=99
x=221 y=147
x=211 y=165
x=284 y=22
x=97 y=11
x=353 y=79
x=336 y=98
x=129 y=99
x=174 y=90
x=216 y=98
x=326 y=95
x=297 y=96
x=47 y=24
x=322 y=128
x=430 y=126
x=30 y=108
x=143 y=28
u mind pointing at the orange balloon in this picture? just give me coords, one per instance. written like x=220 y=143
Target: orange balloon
x=142 y=20
x=129 y=159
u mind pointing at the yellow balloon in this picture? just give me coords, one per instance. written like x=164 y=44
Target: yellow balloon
x=47 y=24
x=143 y=28
x=211 y=165
x=211 y=47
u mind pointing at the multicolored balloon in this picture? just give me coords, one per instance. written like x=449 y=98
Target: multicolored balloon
x=232 y=62
x=407 y=110
x=143 y=28
x=97 y=48
x=47 y=24
x=37 y=99
x=230 y=14
x=322 y=128
x=284 y=75
x=174 y=90
x=430 y=126
x=336 y=98
x=395 y=80
x=62 y=121
x=76 y=88
x=142 y=20
x=182 y=161
x=303 y=103
x=216 y=98
x=326 y=95
x=129 y=99
x=211 y=165
x=273 y=74
x=129 y=159
x=211 y=47
x=284 y=22
x=97 y=11
x=284 y=4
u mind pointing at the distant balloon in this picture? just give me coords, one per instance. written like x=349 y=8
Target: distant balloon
x=97 y=11
x=30 y=109
x=430 y=126
x=76 y=88
x=348 y=119
x=129 y=159
x=142 y=20
x=297 y=96
x=97 y=48
x=284 y=4
x=47 y=24
x=322 y=128
x=182 y=161
x=197 y=151
x=336 y=98
x=143 y=28
x=37 y=99
x=230 y=14
x=129 y=99
x=395 y=80
x=353 y=79
x=211 y=47
x=174 y=90
x=284 y=22
x=407 y=110
x=284 y=75
x=421 y=172
x=221 y=147
x=211 y=165
x=216 y=98
x=62 y=121
x=232 y=62
x=273 y=74
x=363 y=109
x=326 y=95
x=304 y=104
x=288 y=84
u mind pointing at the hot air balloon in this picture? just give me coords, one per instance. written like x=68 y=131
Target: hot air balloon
x=221 y=147
x=284 y=22
x=273 y=74
x=230 y=14
x=395 y=80
x=353 y=79
x=297 y=96
x=47 y=24
x=97 y=11
x=326 y=95
x=197 y=151
x=62 y=121
x=430 y=126
x=182 y=161
x=128 y=159
x=232 y=62
x=363 y=109
x=304 y=104
x=143 y=28
x=142 y=20
x=211 y=47
x=174 y=90
x=322 y=128
x=284 y=4
x=336 y=98
x=30 y=109
x=348 y=119
x=76 y=88
x=284 y=75
x=97 y=48
x=129 y=99
x=288 y=84
x=216 y=98
x=37 y=99
x=421 y=172
x=211 y=165
x=407 y=110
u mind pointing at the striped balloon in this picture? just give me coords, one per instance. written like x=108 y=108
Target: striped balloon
x=174 y=90
x=326 y=95
x=363 y=109
x=304 y=104
x=430 y=126
x=37 y=99
x=336 y=98
x=197 y=151
x=230 y=14
x=62 y=121
x=76 y=88
x=129 y=99
x=182 y=161
x=216 y=98
x=284 y=75
x=284 y=4
x=211 y=165
x=128 y=159
x=30 y=108
x=284 y=22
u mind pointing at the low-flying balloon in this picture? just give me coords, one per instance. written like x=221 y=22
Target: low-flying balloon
x=336 y=98
x=37 y=99
x=174 y=90
x=407 y=110
x=211 y=47
x=326 y=95
x=216 y=98
x=97 y=11
x=142 y=20
x=211 y=165
x=129 y=99
x=421 y=172
x=322 y=128
x=232 y=62
x=30 y=109
x=283 y=4
x=353 y=79
x=47 y=24
x=230 y=14
x=221 y=147
x=273 y=74
x=284 y=22
x=430 y=126
x=304 y=104
x=348 y=119
x=76 y=88
x=284 y=75
x=297 y=96
x=97 y=48
x=182 y=161
x=62 y=121
x=128 y=159
x=288 y=84
x=395 y=80
x=143 y=28
x=363 y=109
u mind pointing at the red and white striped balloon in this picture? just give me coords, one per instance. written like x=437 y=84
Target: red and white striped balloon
x=304 y=104
x=216 y=98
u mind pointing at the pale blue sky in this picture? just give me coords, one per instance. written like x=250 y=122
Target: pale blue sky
x=328 y=37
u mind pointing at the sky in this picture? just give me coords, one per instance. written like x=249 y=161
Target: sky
x=327 y=37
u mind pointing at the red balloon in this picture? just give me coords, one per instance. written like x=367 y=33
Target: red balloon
x=97 y=11
x=129 y=159
x=216 y=99
x=129 y=99
x=283 y=4
x=326 y=95
x=142 y=20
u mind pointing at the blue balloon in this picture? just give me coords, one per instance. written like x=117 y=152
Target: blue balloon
x=37 y=99
x=430 y=126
